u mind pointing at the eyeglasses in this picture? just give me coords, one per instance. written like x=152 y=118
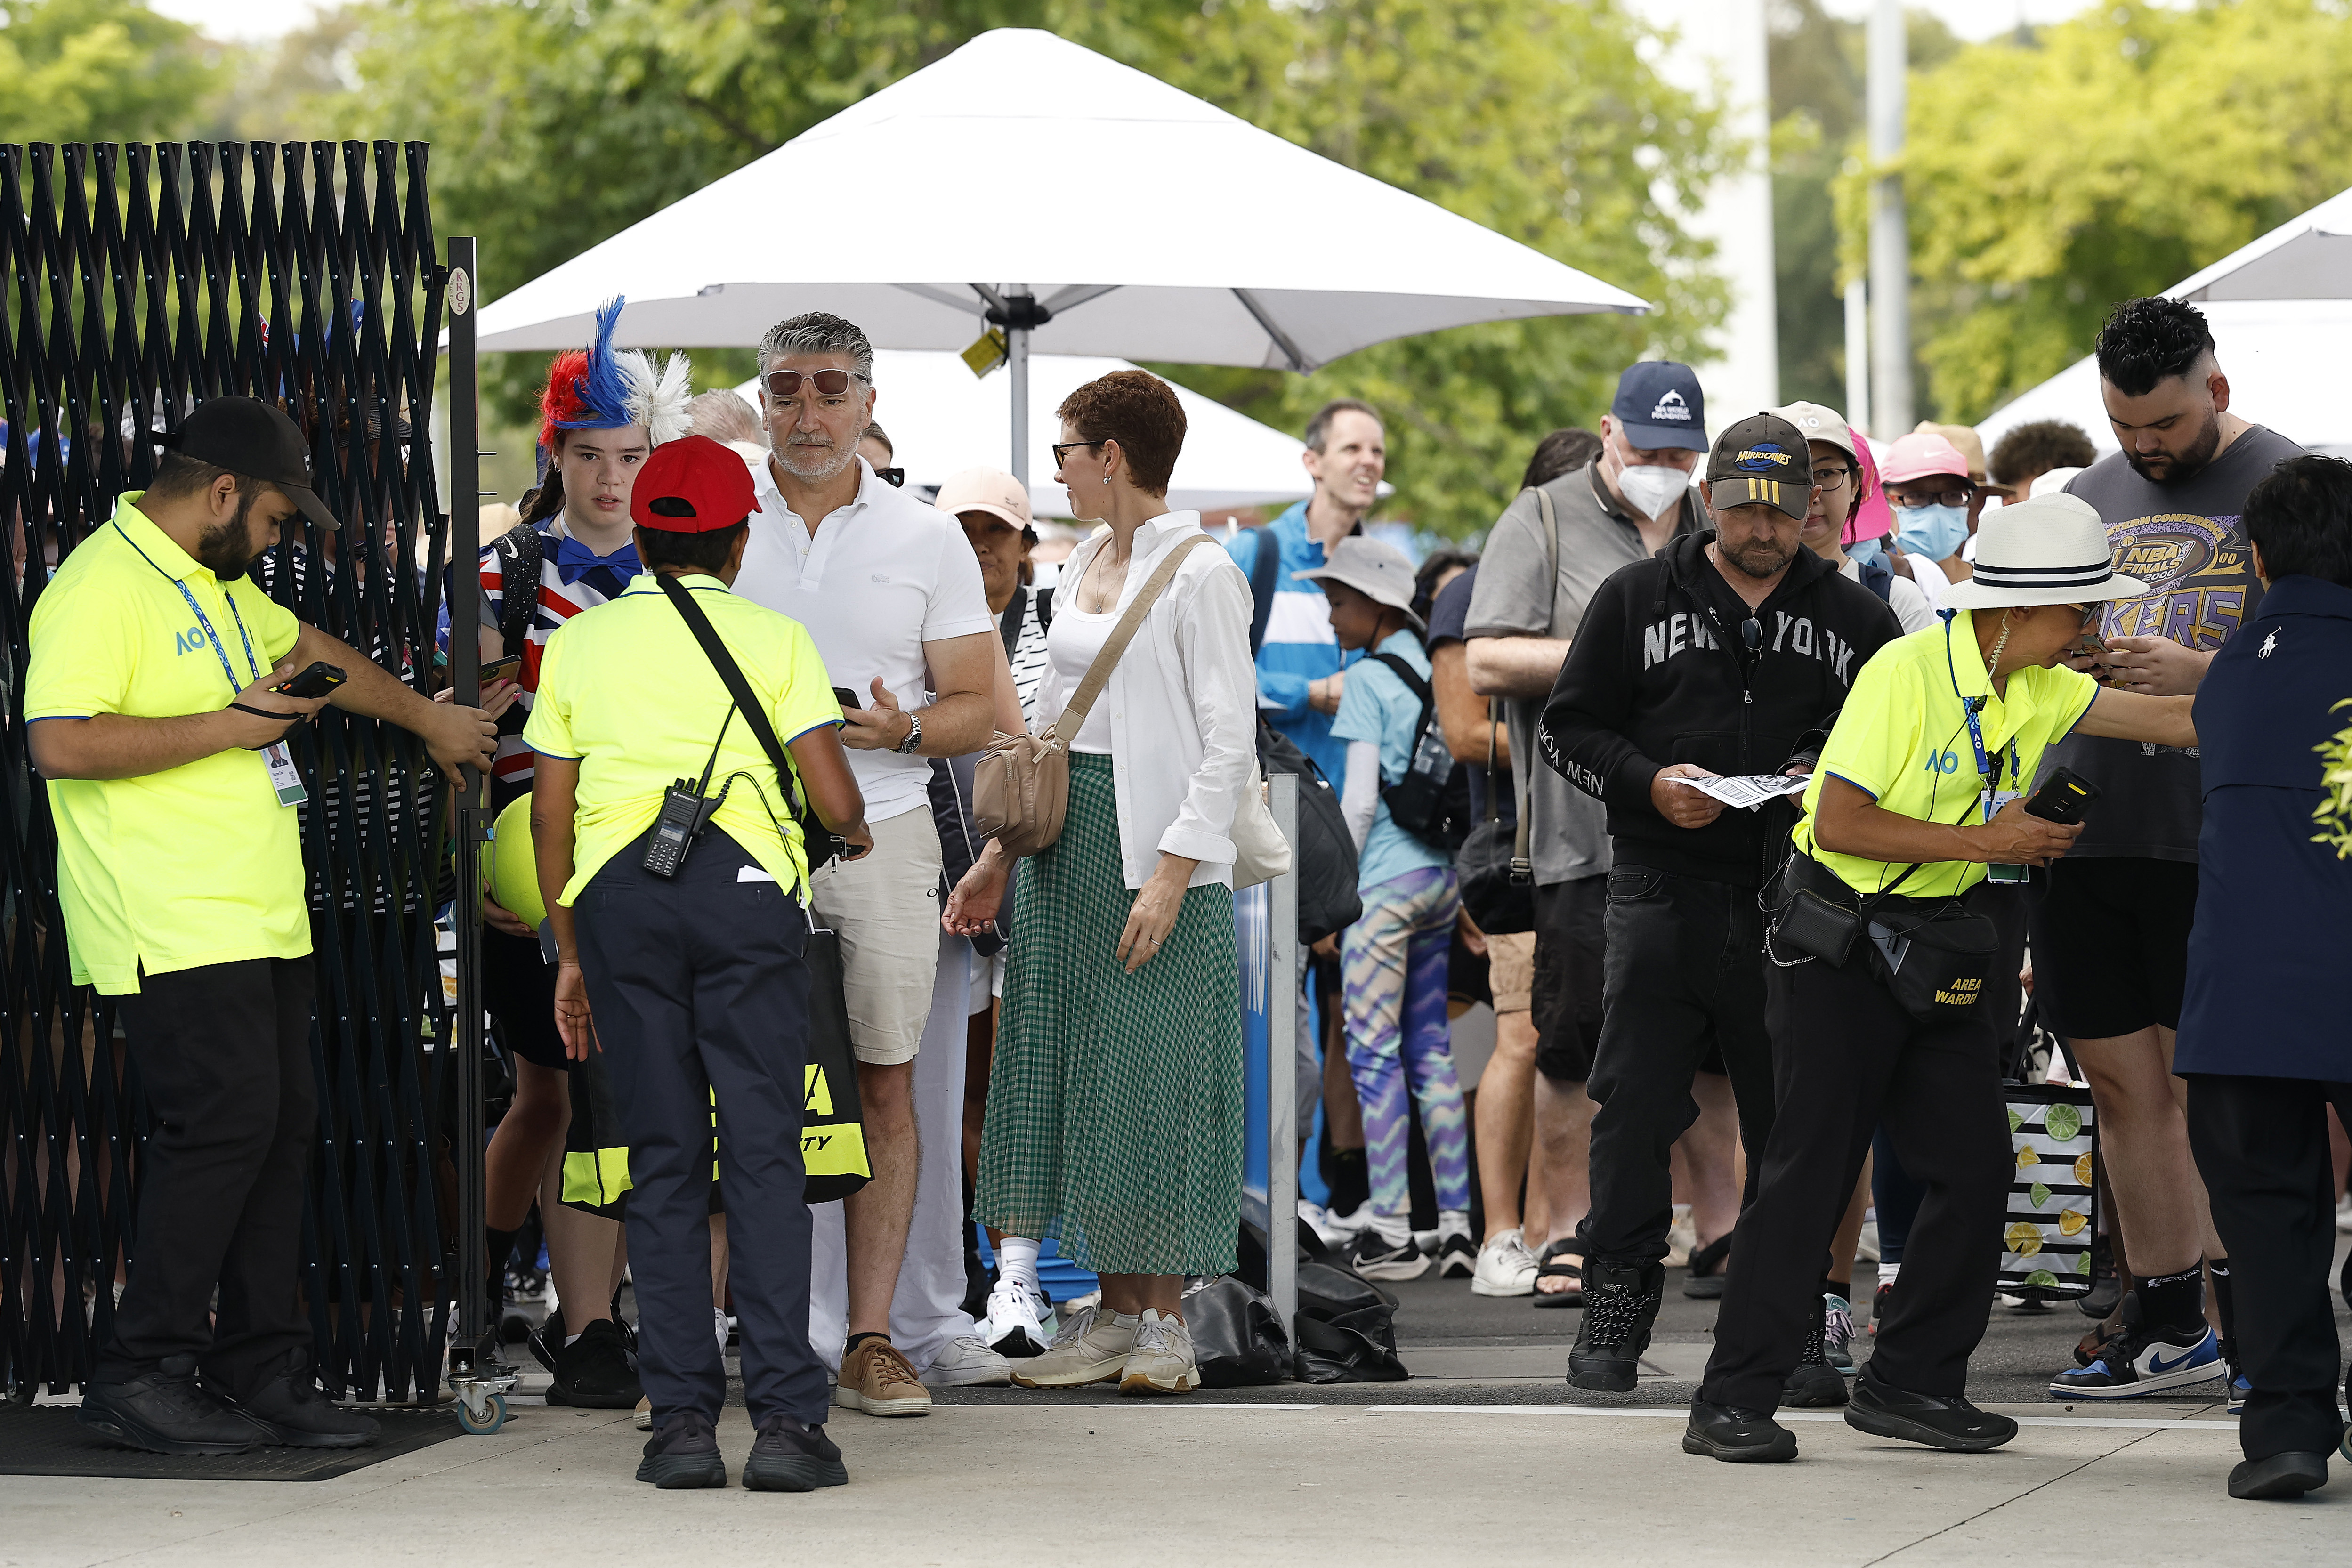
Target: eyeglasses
x=1830 y=479
x=2092 y=615
x=895 y=478
x=828 y=383
x=1061 y=451
x=1934 y=497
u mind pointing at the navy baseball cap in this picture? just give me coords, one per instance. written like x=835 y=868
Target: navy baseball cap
x=1659 y=405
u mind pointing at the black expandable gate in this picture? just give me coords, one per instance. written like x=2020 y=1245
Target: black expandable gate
x=138 y=281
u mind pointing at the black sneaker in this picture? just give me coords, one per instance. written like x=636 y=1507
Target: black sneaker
x=1937 y=1420
x=682 y=1454
x=1374 y=1258
x=1456 y=1258
x=1707 y=1265
x=593 y=1372
x=1813 y=1383
x=787 y=1457
x=1620 y=1306
x=1737 y=1437
x=546 y=1342
x=2106 y=1285
x=294 y=1412
x=166 y=1411
x=2280 y=1475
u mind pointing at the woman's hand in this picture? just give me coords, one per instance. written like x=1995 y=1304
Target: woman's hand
x=1472 y=937
x=973 y=906
x=2014 y=837
x=1154 y=912
x=571 y=1016
x=497 y=918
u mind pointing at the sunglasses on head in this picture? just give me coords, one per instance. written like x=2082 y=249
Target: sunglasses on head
x=828 y=383
x=895 y=478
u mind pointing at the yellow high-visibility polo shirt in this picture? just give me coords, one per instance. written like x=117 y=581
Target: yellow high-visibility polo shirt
x=626 y=692
x=1903 y=736
x=199 y=864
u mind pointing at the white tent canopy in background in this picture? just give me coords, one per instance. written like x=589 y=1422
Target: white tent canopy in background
x=2281 y=312
x=942 y=420
x=1201 y=239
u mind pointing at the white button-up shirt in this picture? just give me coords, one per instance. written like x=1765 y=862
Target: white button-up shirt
x=876 y=580
x=1182 y=702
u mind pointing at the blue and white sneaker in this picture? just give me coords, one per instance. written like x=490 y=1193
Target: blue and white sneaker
x=2239 y=1389
x=2136 y=1362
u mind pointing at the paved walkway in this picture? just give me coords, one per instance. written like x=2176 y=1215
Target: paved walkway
x=1209 y=1481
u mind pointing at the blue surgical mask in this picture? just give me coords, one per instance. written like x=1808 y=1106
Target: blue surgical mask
x=1934 y=531
x=1863 y=551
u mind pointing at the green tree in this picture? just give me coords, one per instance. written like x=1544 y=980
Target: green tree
x=2050 y=175
x=556 y=126
x=100 y=70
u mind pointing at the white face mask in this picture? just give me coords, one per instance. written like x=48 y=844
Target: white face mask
x=1651 y=488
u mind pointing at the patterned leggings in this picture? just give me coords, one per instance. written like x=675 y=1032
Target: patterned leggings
x=1393 y=959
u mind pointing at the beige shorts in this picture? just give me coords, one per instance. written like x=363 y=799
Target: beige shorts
x=1511 y=970
x=886 y=908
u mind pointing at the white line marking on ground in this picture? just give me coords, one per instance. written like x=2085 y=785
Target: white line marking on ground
x=2082 y=1421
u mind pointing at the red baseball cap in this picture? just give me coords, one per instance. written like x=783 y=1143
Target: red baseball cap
x=692 y=485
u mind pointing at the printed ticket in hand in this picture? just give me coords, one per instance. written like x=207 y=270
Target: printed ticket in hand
x=1750 y=791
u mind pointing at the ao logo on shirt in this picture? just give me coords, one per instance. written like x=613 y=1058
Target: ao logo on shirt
x=1943 y=763
x=189 y=641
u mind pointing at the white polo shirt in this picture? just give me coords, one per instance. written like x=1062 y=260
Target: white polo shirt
x=880 y=578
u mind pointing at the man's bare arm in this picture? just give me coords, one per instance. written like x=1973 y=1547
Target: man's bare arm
x=1516 y=666
x=1470 y=729
x=963 y=674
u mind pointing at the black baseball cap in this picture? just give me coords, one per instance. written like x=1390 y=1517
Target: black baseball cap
x=1659 y=405
x=248 y=437
x=1763 y=458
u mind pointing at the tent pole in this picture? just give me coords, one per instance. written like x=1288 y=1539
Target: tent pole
x=1016 y=359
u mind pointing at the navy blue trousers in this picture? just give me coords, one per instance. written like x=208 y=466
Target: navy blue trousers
x=697 y=984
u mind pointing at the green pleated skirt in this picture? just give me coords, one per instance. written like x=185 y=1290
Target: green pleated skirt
x=1115 y=1105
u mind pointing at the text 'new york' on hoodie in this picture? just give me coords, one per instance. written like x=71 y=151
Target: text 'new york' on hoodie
x=1657 y=674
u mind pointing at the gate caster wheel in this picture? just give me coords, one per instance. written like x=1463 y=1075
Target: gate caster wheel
x=493 y=1417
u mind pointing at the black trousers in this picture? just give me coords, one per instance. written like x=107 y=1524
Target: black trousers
x=698 y=984
x=1685 y=977
x=223 y=1054
x=2262 y=1146
x=1849 y=1059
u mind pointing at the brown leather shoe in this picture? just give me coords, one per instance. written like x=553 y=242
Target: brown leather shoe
x=877 y=1380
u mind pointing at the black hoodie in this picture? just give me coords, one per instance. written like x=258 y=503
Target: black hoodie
x=1656 y=675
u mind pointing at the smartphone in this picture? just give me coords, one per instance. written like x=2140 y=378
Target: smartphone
x=318 y=681
x=2062 y=797
x=507 y=668
x=846 y=697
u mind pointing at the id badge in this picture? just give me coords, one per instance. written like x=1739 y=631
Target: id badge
x=284 y=776
x=1993 y=800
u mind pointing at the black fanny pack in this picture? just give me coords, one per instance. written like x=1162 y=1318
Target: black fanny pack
x=1933 y=956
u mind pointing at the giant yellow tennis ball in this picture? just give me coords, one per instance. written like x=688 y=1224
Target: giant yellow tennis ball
x=513 y=870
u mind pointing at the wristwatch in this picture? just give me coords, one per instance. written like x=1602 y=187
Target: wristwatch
x=914 y=740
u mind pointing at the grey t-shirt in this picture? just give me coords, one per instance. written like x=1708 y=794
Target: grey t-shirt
x=1518 y=596
x=2187 y=542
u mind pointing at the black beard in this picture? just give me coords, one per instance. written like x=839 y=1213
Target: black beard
x=2187 y=465
x=227 y=551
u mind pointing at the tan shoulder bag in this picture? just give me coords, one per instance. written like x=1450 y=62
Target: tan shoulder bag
x=1021 y=786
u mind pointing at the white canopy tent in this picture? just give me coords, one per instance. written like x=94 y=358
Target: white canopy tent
x=963 y=153
x=2281 y=311
x=942 y=420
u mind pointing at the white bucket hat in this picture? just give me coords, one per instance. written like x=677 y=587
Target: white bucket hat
x=2048 y=550
x=1379 y=572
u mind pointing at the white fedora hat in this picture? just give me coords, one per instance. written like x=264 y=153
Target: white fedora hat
x=2049 y=550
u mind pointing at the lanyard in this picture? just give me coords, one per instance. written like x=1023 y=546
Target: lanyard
x=1988 y=769
x=235 y=686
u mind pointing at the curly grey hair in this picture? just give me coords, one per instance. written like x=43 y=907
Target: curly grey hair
x=818 y=332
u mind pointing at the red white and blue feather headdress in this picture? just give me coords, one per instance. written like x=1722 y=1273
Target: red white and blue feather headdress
x=603 y=388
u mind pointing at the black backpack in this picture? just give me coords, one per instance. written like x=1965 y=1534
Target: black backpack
x=1424 y=802
x=1327 y=900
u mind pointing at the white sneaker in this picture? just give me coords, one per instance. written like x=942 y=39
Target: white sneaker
x=966 y=1361
x=718 y=1327
x=1162 y=1359
x=1092 y=1347
x=1505 y=1268
x=645 y=1413
x=2343 y=1212
x=1019 y=1324
x=1339 y=1231
x=1425 y=1243
x=1682 y=1237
